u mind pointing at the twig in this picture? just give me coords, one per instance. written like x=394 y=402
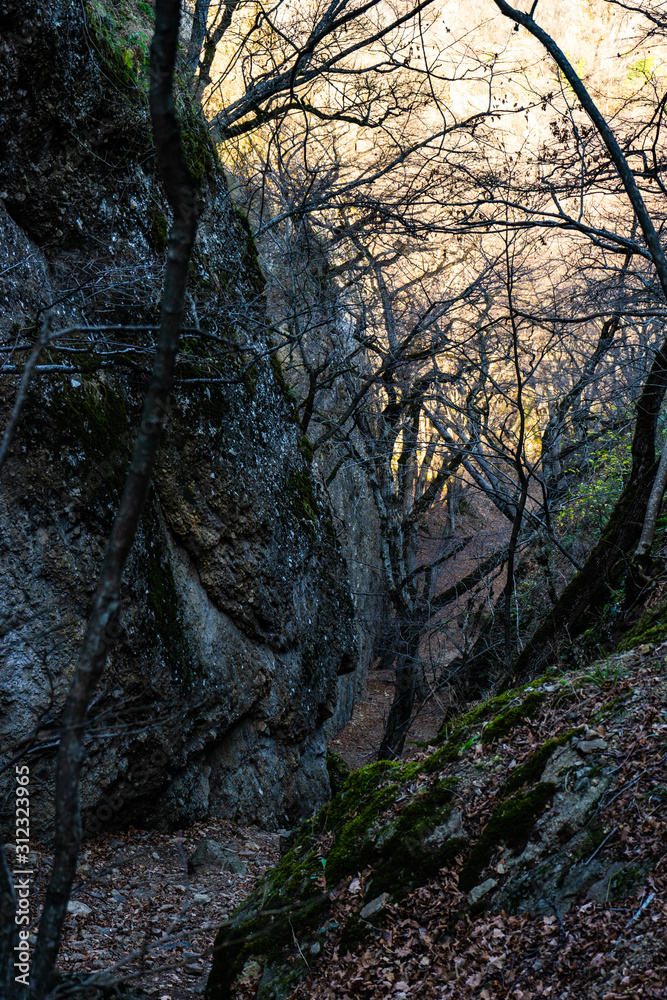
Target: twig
x=623 y=789
x=296 y=942
x=647 y=902
x=600 y=846
x=22 y=391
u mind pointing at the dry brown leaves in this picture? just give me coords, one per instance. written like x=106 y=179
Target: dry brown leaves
x=600 y=950
x=149 y=919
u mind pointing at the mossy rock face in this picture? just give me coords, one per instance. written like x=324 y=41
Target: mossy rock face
x=394 y=821
x=531 y=771
x=486 y=722
x=365 y=825
x=511 y=823
x=651 y=628
x=395 y=826
x=339 y=772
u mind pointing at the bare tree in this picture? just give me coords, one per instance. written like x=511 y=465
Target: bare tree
x=625 y=523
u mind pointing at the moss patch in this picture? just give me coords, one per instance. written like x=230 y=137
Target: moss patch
x=285 y=388
x=627 y=881
x=511 y=823
x=200 y=153
x=338 y=772
x=513 y=716
x=158 y=229
x=503 y=713
x=81 y=435
x=306 y=448
x=121 y=34
x=249 y=255
x=301 y=495
x=370 y=829
x=651 y=628
x=532 y=770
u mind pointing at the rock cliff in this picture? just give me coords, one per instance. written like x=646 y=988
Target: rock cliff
x=237 y=618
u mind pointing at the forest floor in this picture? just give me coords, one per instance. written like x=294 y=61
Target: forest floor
x=145 y=915
x=141 y=916
x=610 y=945
x=360 y=741
x=139 y=912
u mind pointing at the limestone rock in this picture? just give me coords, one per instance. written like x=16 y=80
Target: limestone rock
x=591 y=746
x=237 y=622
x=481 y=890
x=211 y=856
x=375 y=906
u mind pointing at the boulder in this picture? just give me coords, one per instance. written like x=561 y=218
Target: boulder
x=237 y=621
x=212 y=856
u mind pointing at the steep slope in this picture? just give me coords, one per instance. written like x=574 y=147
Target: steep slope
x=237 y=617
x=510 y=859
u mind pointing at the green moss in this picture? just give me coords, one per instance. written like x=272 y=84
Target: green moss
x=452 y=733
x=511 y=823
x=627 y=881
x=120 y=33
x=530 y=772
x=86 y=430
x=651 y=628
x=299 y=490
x=338 y=772
x=158 y=230
x=513 y=716
x=93 y=415
x=614 y=707
x=290 y=398
x=411 y=860
x=354 y=933
x=249 y=377
x=306 y=448
x=249 y=255
x=371 y=830
x=278 y=981
x=592 y=840
x=504 y=716
x=199 y=150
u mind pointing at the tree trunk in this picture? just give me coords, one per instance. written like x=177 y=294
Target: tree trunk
x=569 y=617
x=198 y=34
x=201 y=81
x=639 y=570
x=408 y=667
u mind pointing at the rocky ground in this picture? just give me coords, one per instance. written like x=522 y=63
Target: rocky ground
x=556 y=884
x=141 y=912
x=574 y=909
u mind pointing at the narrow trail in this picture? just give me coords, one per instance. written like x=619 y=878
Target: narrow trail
x=133 y=892
x=359 y=741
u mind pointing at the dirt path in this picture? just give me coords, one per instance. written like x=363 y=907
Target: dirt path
x=133 y=896
x=139 y=911
x=359 y=742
